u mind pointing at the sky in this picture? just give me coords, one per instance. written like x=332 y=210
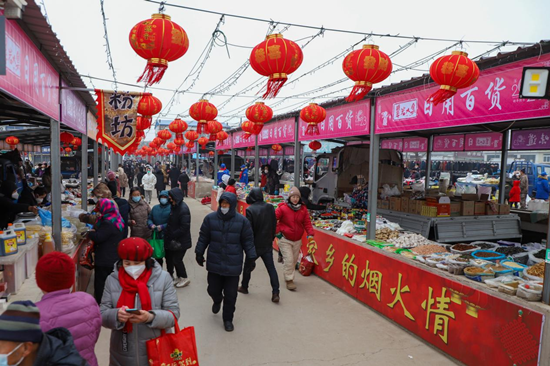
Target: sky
x=79 y=26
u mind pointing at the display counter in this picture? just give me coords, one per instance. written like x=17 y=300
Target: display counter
x=465 y=319
x=18 y=267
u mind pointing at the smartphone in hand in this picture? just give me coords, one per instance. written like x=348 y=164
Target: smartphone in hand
x=133 y=311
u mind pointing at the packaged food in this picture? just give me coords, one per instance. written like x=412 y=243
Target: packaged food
x=478 y=273
x=488 y=255
x=509 y=288
x=530 y=291
x=463 y=248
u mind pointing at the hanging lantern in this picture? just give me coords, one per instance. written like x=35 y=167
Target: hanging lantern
x=149 y=106
x=140 y=134
x=178 y=126
x=190 y=145
x=250 y=148
x=276 y=57
x=159 y=41
x=171 y=146
x=248 y=128
x=366 y=67
x=259 y=113
x=68 y=150
x=203 y=141
x=66 y=138
x=213 y=128
x=179 y=141
x=165 y=135
x=222 y=136
x=142 y=123
x=315 y=145
x=191 y=135
x=221 y=152
x=158 y=141
x=452 y=72
x=211 y=153
x=153 y=145
x=12 y=141
x=276 y=148
x=313 y=114
x=177 y=150
x=77 y=141
x=202 y=112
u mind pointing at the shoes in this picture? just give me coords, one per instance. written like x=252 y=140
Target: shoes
x=242 y=290
x=175 y=281
x=275 y=297
x=290 y=285
x=216 y=307
x=183 y=282
x=228 y=325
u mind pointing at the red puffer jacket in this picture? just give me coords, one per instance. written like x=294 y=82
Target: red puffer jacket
x=515 y=192
x=293 y=223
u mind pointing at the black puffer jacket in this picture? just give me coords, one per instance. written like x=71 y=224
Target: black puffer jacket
x=226 y=237
x=57 y=348
x=263 y=221
x=124 y=210
x=178 y=230
x=106 y=239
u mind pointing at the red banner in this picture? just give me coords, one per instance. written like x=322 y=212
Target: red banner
x=279 y=132
x=449 y=143
x=470 y=325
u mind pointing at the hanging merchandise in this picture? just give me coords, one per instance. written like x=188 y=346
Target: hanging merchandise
x=165 y=135
x=191 y=135
x=202 y=112
x=277 y=58
x=259 y=113
x=159 y=41
x=452 y=72
x=203 y=141
x=315 y=145
x=12 y=141
x=213 y=128
x=366 y=67
x=313 y=114
x=178 y=126
x=222 y=136
x=149 y=106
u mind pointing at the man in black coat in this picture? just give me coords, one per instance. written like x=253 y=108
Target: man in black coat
x=8 y=207
x=226 y=234
x=264 y=224
x=177 y=237
x=184 y=179
x=174 y=175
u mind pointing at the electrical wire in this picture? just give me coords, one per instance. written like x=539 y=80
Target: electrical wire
x=107 y=45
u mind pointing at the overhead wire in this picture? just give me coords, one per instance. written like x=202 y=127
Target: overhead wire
x=107 y=44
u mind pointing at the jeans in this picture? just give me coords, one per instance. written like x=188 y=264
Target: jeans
x=175 y=259
x=269 y=265
x=148 y=196
x=224 y=288
x=100 y=277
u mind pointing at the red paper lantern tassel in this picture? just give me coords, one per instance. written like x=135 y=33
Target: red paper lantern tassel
x=202 y=128
x=312 y=129
x=444 y=93
x=274 y=85
x=213 y=137
x=246 y=136
x=359 y=91
x=154 y=71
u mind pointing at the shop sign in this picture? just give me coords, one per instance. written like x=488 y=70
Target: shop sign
x=29 y=76
x=289 y=150
x=491 y=141
x=91 y=126
x=415 y=144
x=46 y=150
x=239 y=141
x=448 y=143
x=392 y=144
x=279 y=132
x=351 y=119
x=538 y=139
x=473 y=326
x=493 y=98
x=73 y=109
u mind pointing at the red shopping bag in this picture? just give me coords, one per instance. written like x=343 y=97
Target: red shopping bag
x=179 y=348
x=306 y=265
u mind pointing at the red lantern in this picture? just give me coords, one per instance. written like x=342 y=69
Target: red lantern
x=221 y=152
x=68 y=150
x=452 y=72
x=211 y=153
x=191 y=135
x=250 y=148
x=259 y=113
x=66 y=138
x=248 y=128
x=165 y=135
x=178 y=126
x=77 y=141
x=315 y=145
x=276 y=148
x=149 y=106
x=171 y=146
x=276 y=57
x=158 y=141
x=179 y=141
x=142 y=123
x=213 y=128
x=202 y=112
x=140 y=134
x=222 y=136
x=313 y=114
x=153 y=145
x=190 y=145
x=159 y=41
x=12 y=141
x=203 y=141
x=366 y=67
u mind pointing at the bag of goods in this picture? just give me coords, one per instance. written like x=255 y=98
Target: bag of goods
x=478 y=274
x=508 y=243
x=534 y=273
x=509 y=288
x=428 y=249
x=517 y=268
x=536 y=256
x=530 y=291
x=488 y=255
x=495 y=282
x=518 y=254
x=485 y=245
x=410 y=240
x=456 y=266
x=385 y=234
x=498 y=269
x=463 y=248
x=434 y=261
x=406 y=253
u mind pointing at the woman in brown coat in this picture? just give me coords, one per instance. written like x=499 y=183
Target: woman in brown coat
x=139 y=213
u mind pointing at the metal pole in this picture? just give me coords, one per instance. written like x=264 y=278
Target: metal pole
x=546 y=283
x=55 y=157
x=111 y=159
x=374 y=151
x=232 y=159
x=84 y=174
x=296 y=152
x=96 y=162
x=503 y=164
x=197 y=162
x=103 y=161
x=257 y=170
x=216 y=167
x=428 y=163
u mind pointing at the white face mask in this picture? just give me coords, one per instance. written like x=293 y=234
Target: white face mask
x=4 y=357
x=15 y=195
x=224 y=210
x=134 y=271
x=39 y=200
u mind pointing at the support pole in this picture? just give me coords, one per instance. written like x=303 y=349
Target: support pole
x=374 y=151
x=197 y=163
x=103 y=161
x=503 y=164
x=546 y=283
x=216 y=167
x=111 y=159
x=55 y=157
x=257 y=168
x=429 y=163
x=84 y=174
x=296 y=152
x=232 y=161
x=96 y=163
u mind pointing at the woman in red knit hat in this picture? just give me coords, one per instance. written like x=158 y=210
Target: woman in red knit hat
x=138 y=282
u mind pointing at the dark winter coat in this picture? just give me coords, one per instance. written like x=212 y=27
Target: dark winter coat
x=292 y=224
x=106 y=239
x=305 y=192
x=226 y=237
x=515 y=192
x=124 y=210
x=177 y=235
x=183 y=179
x=543 y=190
x=263 y=221
x=9 y=209
x=174 y=174
x=160 y=185
x=57 y=348
x=139 y=212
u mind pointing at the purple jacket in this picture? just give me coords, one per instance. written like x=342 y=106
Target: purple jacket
x=79 y=313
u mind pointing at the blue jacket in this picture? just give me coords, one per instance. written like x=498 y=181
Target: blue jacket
x=226 y=237
x=244 y=176
x=159 y=216
x=543 y=190
x=221 y=173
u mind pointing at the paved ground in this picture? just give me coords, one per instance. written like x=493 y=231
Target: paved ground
x=316 y=325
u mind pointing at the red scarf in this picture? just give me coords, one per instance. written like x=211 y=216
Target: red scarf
x=130 y=288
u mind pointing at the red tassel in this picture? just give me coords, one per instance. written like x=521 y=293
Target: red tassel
x=312 y=129
x=152 y=74
x=202 y=128
x=246 y=136
x=212 y=137
x=358 y=92
x=440 y=96
x=273 y=87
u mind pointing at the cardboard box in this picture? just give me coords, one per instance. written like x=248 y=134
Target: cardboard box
x=484 y=198
x=456 y=208
x=429 y=211
x=489 y=210
x=504 y=209
x=479 y=209
x=467 y=208
x=395 y=203
x=383 y=204
x=412 y=207
x=470 y=197
x=443 y=205
x=405 y=204
x=418 y=204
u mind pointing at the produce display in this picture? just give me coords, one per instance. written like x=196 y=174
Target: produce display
x=410 y=240
x=537 y=270
x=427 y=249
x=386 y=234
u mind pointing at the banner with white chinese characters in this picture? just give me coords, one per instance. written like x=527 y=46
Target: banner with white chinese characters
x=279 y=132
x=116 y=124
x=490 y=141
x=409 y=144
x=448 y=143
x=538 y=139
x=493 y=98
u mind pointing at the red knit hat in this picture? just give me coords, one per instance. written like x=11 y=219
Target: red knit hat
x=134 y=249
x=55 y=271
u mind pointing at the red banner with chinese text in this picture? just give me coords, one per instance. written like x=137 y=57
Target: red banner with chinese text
x=116 y=123
x=470 y=325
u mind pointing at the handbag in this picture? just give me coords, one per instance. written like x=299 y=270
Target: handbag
x=87 y=257
x=157 y=245
x=179 y=348
x=306 y=265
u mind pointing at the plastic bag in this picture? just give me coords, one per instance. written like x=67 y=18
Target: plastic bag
x=483 y=190
x=346 y=228
x=468 y=189
x=418 y=187
x=46 y=217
